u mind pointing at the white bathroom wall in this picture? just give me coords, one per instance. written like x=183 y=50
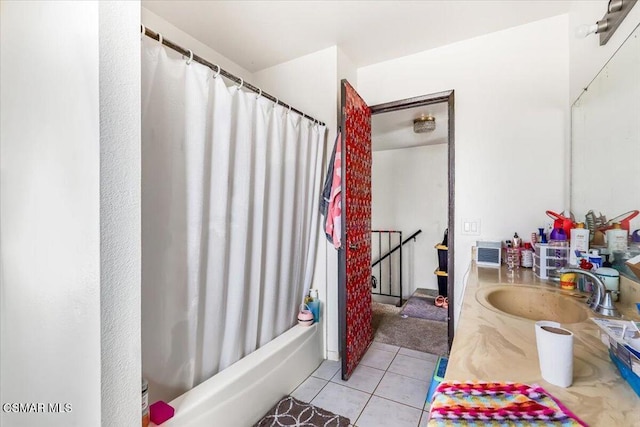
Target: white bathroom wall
x=69 y=213
x=587 y=57
x=410 y=193
x=511 y=103
x=309 y=84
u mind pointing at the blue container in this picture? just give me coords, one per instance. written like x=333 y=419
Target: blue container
x=438 y=376
x=314 y=306
x=626 y=372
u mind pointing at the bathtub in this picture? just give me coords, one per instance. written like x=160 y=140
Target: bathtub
x=241 y=394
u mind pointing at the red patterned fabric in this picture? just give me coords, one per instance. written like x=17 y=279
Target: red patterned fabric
x=357 y=223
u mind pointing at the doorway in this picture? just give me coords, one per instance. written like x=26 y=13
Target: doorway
x=409 y=218
x=446 y=98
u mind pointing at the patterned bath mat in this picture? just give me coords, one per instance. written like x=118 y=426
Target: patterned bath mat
x=293 y=412
x=422 y=305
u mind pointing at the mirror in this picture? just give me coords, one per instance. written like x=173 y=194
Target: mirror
x=605 y=141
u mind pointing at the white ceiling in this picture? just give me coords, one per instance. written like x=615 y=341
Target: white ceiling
x=394 y=130
x=260 y=34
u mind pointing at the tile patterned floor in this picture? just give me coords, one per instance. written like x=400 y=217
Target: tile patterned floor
x=388 y=388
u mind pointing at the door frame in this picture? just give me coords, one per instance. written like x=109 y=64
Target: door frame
x=436 y=98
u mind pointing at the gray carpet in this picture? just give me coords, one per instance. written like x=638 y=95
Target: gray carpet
x=422 y=305
x=410 y=332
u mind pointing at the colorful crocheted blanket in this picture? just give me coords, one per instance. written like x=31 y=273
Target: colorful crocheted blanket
x=497 y=404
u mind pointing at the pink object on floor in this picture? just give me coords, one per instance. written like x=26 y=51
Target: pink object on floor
x=160 y=412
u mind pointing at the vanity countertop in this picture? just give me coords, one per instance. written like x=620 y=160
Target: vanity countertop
x=492 y=346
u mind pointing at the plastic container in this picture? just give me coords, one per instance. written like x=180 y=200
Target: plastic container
x=512 y=258
x=550 y=257
x=611 y=279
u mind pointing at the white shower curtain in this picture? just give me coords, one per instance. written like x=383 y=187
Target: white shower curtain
x=230 y=192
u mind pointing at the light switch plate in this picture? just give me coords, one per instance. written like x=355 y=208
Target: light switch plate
x=470 y=227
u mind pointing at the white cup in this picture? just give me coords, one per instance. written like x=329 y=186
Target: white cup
x=555 y=353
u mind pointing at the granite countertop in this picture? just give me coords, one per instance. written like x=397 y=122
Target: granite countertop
x=493 y=346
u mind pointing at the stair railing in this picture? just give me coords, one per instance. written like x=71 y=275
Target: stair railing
x=389 y=236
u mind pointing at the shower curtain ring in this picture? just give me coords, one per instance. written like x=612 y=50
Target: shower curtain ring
x=190 y=57
x=215 y=76
x=277 y=100
x=241 y=83
x=160 y=39
x=289 y=110
x=143 y=29
x=259 y=93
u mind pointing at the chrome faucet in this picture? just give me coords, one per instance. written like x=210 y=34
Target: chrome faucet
x=600 y=300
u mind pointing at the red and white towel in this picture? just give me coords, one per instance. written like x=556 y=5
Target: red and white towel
x=333 y=225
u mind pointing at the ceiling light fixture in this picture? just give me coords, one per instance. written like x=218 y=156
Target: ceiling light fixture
x=617 y=10
x=424 y=124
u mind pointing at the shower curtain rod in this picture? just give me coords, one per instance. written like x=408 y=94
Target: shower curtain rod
x=224 y=73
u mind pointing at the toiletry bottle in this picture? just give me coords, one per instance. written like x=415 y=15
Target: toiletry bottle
x=543 y=237
x=595 y=259
x=314 y=304
x=145 y=403
x=579 y=242
x=526 y=256
x=517 y=241
x=617 y=239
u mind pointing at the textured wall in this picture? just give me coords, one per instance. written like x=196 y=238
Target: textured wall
x=120 y=231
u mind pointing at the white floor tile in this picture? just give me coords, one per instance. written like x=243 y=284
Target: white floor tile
x=378 y=359
x=341 y=400
x=424 y=420
x=384 y=413
x=385 y=347
x=309 y=389
x=327 y=369
x=401 y=389
x=363 y=378
x=412 y=367
x=419 y=354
